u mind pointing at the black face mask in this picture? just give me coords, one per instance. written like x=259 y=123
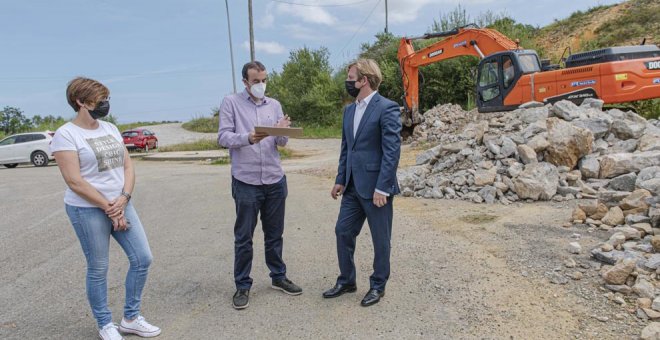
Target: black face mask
x=101 y=110
x=351 y=89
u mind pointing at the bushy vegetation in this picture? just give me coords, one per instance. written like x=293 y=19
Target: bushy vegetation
x=306 y=88
x=13 y=120
x=203 y=124
x=130 y=126
x=198 y=145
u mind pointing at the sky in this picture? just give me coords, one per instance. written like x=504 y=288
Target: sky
x=170 y=59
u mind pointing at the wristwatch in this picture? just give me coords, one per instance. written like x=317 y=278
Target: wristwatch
x=127 y=195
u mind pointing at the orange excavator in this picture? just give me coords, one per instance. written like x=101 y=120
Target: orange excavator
x=509 y=76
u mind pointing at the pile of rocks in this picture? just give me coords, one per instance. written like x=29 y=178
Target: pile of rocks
x=610 y=159
x=537 y=152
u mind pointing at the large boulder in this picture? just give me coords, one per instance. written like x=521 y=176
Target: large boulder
x=649 y=142
x=623 y=146
x=627 y=129
x=624 y=182
x=589 y=167
x=429 y=155
x=527 y=154
x=649 y=179
x=508 y=147
x=538 y=181
x=532 y=115
x=654 y=216
x=599 y=126
x=485 y=177
x=567 y=143
x=636 y=200
x=411 y=177
x=622 y=163
x=651 y=331
x=593 y=103
x=613 y=217
x=566 y=110
x=539 y=142
x=475 y=131
x=618 y=274
x=612 y=198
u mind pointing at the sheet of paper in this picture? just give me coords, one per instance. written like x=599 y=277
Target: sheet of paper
x=277 y=131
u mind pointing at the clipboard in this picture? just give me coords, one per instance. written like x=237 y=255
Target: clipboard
x=278 y=131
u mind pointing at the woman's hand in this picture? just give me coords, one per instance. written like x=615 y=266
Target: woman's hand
x=119 y=224
x=117 y=207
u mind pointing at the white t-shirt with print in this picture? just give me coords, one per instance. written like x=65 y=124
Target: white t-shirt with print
x=101 y=156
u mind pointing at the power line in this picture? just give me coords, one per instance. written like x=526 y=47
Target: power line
x=327 y=5
x=359 y=28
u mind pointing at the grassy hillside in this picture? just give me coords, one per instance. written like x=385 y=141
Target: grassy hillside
x=627 y=23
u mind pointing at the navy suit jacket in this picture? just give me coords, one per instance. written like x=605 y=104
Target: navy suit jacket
x=371 y=158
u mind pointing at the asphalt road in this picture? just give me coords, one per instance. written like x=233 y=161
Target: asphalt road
x=450 y=279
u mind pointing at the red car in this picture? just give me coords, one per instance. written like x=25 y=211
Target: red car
x=140 y=139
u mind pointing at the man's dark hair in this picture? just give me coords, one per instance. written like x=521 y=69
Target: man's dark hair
x=252 y=65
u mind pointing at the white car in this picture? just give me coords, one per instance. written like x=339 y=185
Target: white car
x=30 y=147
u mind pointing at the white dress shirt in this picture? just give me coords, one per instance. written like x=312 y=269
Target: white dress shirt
x=360 y=107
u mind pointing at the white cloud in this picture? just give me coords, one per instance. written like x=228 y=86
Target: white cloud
x=315 y=15
x=269 y=47
x=267 y=19
x=301 y=32
x=404 y=11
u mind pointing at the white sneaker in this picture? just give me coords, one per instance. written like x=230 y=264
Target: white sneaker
x=140 y=327
x=110 y=332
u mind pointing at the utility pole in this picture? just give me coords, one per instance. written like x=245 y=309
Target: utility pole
x=251 y=31
x=231 y=49
x=386 y=31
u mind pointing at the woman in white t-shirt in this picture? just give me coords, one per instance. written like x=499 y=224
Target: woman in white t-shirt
x=100 y=178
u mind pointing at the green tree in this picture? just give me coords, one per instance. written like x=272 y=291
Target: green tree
x=306 y=88
x=110 y=119
x=12 y=121
x=48 y=122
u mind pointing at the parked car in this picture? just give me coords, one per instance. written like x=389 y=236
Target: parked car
x=30 y=147
x=140 y=139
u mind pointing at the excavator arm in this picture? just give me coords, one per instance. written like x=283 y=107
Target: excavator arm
x=463 y=41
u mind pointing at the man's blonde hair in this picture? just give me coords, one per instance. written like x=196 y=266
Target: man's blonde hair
x=368 y=68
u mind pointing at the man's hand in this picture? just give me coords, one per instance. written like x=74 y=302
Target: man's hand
x=379 y=200
x=256 y=137
x=336 y=191
x=284 y=122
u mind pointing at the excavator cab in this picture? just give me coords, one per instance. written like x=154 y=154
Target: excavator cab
x=497 y=76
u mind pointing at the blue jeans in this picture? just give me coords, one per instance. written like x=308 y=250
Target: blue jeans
x=94 y=228
x=252 y=200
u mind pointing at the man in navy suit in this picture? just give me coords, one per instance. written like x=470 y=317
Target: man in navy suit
x=366 y=176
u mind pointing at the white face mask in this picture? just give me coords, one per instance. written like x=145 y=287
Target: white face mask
x=258 y=90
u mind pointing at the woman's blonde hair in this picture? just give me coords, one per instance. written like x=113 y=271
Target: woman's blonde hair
x=88 y=91
x=368 y=68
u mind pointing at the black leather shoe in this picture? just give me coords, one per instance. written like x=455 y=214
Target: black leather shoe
x=241 y=299
x=372 y=297
x=339 y=290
